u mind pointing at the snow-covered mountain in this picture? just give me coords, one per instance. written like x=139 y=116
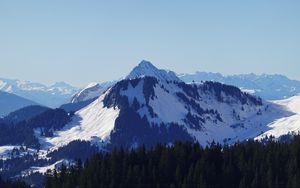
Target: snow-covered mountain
x=152 y=107
x=269 y=87
x=52 y=96
x=10 y=102
x=145 y=68
x=149 y=106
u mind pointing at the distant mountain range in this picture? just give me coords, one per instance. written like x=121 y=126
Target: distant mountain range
x=52 y=96
x=10 y=102
x=269 y=87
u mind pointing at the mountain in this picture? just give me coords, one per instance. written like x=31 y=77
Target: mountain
x=145 y=68
x=52 y=96
x=154 y=106
x=269 y=87
x=10 y=102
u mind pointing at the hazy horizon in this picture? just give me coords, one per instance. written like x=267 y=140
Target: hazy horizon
x=79 y=43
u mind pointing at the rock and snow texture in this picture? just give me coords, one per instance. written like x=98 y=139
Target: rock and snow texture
x=288 y=125
x=93 y=123
x=91 y=91
x=204 y=117
x=269 y=87
x=51 y=96
x=145 y=68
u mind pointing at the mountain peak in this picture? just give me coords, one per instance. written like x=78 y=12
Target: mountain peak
x=146 y=64
x=146 y=68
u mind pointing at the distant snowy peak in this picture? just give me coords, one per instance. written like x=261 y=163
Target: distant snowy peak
x=91 y=91
x=145 y=68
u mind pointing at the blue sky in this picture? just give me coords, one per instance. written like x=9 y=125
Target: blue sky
x=85 y=41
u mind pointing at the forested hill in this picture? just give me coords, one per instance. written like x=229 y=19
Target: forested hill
x=248 y=164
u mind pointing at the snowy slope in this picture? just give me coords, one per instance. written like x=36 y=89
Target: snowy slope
x=169 y=108
x=51 y=96
x=269 y=87
x=286 y=125
x=93 y=123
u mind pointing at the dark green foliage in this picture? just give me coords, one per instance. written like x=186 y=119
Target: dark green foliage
x=51 y=119
x=74 y=150
x=249 y=164
x=19 y=134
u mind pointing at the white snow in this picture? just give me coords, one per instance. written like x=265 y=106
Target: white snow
x=167 y=106
x=250 y=91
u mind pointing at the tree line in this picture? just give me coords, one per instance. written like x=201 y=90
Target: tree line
x=185 y=164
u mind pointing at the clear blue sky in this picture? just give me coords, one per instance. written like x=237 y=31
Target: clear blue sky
x=84 y=41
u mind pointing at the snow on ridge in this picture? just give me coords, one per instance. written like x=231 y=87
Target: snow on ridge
x=91 y=91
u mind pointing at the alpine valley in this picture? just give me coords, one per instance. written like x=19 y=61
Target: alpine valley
x=147 y=107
